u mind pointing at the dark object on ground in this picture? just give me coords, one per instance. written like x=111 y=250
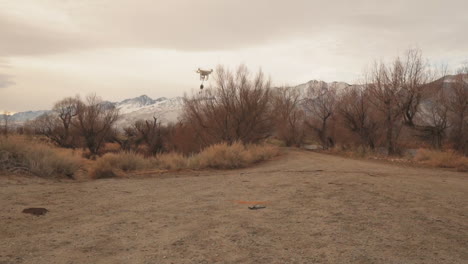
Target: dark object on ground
x=35 y=211
x=256 y=207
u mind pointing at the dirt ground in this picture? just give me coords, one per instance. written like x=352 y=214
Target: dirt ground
x=319 y=209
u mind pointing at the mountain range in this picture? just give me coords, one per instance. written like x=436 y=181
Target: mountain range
x=141 y=107
x=169 y=109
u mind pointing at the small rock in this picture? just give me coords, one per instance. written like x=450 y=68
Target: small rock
x=256 y=207
x=35 y=211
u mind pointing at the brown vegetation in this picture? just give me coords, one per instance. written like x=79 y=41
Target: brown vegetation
x=218 y=156
x=458 y=106
x=442 y=159
x=321 y=104
x=20 y=155
x=94 y=122
x=356 y=112
x=396 y=92
x=144 y=132
x=398 y=106
x=288 y=116
x=236 y=108
x=319 y=209
x=6 y=120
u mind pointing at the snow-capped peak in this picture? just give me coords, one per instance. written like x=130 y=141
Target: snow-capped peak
x=339 y=86
x=137 y=101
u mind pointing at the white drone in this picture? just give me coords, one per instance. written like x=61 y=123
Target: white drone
x=204 y=75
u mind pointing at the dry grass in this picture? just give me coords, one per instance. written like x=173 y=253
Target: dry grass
x=22 y=155
x=442 y=159
x=171 y=161
x=219 y=156
x=224 y=156
x=358 y=152
x=111 y=164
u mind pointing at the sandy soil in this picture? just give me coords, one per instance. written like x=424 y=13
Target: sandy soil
x=320 y=209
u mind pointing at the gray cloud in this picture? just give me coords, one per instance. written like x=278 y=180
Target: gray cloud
x=220 y=25
x=22 y=38
x=122 y=47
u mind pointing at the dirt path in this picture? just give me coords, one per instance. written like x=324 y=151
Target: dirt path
x=321 y=209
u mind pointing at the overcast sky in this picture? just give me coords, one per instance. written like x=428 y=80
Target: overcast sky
x=118 y=49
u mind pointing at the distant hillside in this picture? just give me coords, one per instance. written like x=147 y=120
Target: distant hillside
x=21 y=117
x=169 y=109
x=142 y=107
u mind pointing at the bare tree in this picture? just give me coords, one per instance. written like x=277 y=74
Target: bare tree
x=236 y=108
x=94 y=120
x=288 y=115
x=6 y=120
x=66 y=109
x=321 y=105
x=385 y=87
x=356 y=110
x=48 y=125
x=458 y=102
x=57 y=125
x=411 y=74
x=145 y=132
x=434 y=119
x=396 y=91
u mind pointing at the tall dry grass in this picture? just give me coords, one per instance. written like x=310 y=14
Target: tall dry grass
x=219 y=156
x=442 y=159
x=26 y=156
x=111 y=164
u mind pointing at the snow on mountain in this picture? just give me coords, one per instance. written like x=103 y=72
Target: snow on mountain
x=340 y=86
x=169 y=109
x=315 y=83
x=143 y=107
x=133 y=104
x=22 y=117
x=164 y=109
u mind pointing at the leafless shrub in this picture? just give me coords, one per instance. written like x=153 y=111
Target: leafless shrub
x=94 y=121
x=6 y=119
x=288 y=116
x=182 y=138
x=149 y=133
x=356 y=111
x=65 y=110
x=458 y=106
x=396 y=92
x=411 y=74
x=321 y=105
x=57 y=125
x=236 y=108
x=433 y=120
x=48 y=125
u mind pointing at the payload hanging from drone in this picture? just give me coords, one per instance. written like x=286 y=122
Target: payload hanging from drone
x=204 y=75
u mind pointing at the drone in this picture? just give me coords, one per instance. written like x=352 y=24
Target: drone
x=204 y=75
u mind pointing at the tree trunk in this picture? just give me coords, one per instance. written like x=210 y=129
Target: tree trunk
x=390 y=144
